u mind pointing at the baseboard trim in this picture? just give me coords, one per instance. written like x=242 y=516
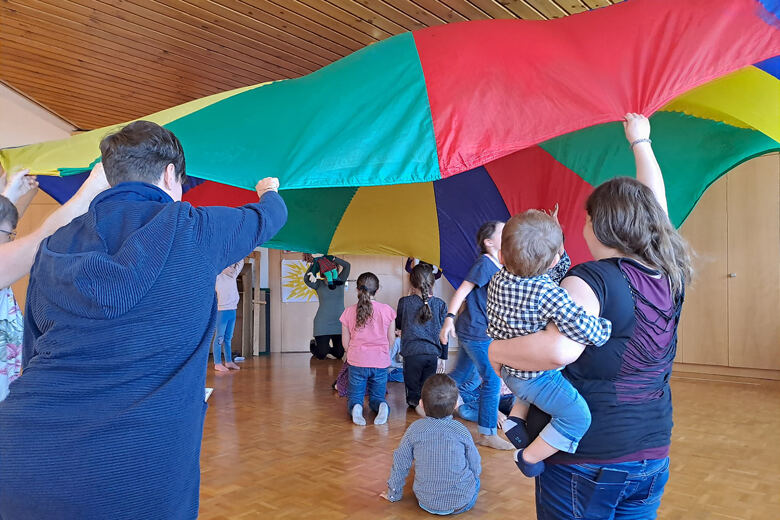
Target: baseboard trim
x=754 y=373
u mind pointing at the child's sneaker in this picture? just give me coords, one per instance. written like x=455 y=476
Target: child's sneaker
x=528 y=469
x=516 y=431
x=357 y=415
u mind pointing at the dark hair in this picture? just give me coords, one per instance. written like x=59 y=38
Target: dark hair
x=529 y=243
x=367 y=286
x=439 y=396
x=8 y=213
x=140 y=152
x=627 y=217
x=486 y=231
x=422 y=278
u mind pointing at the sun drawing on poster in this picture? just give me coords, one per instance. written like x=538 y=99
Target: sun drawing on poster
x=293 y=287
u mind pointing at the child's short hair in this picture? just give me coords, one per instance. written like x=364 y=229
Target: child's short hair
x=529 y=243
x=439 y=396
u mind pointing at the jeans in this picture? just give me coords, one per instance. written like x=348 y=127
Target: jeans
x=226 y=322
x=359 y=378
x=417 y=369
x=577 y=491
x=553 y=394
x=476 y=360
x=463 y=509
x=395 y=375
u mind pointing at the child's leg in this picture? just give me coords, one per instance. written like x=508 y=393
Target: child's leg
x=413 y=366
x=219 y=337
x=230 y=325
x=377 y=388
x=520 y=409
x=358 y=377
x=553 y=394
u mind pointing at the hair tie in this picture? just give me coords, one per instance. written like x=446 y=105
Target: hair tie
x=362 y=288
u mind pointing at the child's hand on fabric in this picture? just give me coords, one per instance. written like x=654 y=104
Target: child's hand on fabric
x=637 y=127
x=266 y=185
x=441 y=366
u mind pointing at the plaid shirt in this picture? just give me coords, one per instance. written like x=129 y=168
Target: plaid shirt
x=446 y=464
x=518 y=306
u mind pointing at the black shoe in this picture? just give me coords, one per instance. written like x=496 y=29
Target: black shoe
x=517 y=434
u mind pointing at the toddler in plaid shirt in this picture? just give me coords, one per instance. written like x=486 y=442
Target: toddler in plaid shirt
x=522 y=299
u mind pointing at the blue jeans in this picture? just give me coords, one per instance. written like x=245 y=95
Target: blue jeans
x=576 y=491
x=463 y=509
x=226 y=322
x=395 y=375
x=360 y=378
x=476 y=360
x=553 y=394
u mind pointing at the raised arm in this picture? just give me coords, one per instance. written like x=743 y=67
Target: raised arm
x=307 y=278
x=345 y=268
x=18 y=256
x=548 y=349
x=448 y=329
x=648 y=172
x=20 y=189
x=226 y=235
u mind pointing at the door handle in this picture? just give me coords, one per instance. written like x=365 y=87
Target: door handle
x=732 y=275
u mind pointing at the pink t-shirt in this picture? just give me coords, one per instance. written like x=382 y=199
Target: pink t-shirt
x=369 y=346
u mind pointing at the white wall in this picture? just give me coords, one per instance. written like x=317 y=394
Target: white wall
x=24 y=122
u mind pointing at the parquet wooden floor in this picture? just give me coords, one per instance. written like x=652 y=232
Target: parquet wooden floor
x=278 y=444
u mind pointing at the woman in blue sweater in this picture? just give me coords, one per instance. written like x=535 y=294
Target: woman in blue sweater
x=107 y=417
x=637 y=282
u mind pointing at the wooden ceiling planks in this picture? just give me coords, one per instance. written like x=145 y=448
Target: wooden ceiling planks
x=97 y=63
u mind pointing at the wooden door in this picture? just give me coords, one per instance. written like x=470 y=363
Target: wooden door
x=703 y=332
x=754 y=264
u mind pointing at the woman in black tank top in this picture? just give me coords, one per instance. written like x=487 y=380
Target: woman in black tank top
x=637 y=282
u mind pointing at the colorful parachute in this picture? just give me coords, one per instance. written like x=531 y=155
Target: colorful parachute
x=408 y=145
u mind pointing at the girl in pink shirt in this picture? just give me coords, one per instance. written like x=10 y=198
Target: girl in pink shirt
x=368 y=330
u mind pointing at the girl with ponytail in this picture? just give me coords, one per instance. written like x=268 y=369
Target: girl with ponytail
x=368 y=330
x=420 y=318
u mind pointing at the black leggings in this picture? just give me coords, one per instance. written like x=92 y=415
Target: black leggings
x=417 y=369
x=321 y=346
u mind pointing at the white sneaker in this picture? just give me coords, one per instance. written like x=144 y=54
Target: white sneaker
x=330 y=356
x=381 y=416
x=357 y=415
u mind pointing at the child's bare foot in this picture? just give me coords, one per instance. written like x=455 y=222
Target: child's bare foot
x=232 y=366
x=495 y=442
x=221 y=368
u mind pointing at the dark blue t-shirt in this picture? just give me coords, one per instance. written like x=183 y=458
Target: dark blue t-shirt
x=472 y=322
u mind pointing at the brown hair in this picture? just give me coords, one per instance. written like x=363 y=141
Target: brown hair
x=8 y=213
x=627 y=217
x=141 y=151
x=439 y=396
x=529 y=243
x=486 y=231
x=367 y=286
x=422 y=278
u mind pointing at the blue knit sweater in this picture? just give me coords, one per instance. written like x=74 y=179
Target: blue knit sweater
x=107 y=418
